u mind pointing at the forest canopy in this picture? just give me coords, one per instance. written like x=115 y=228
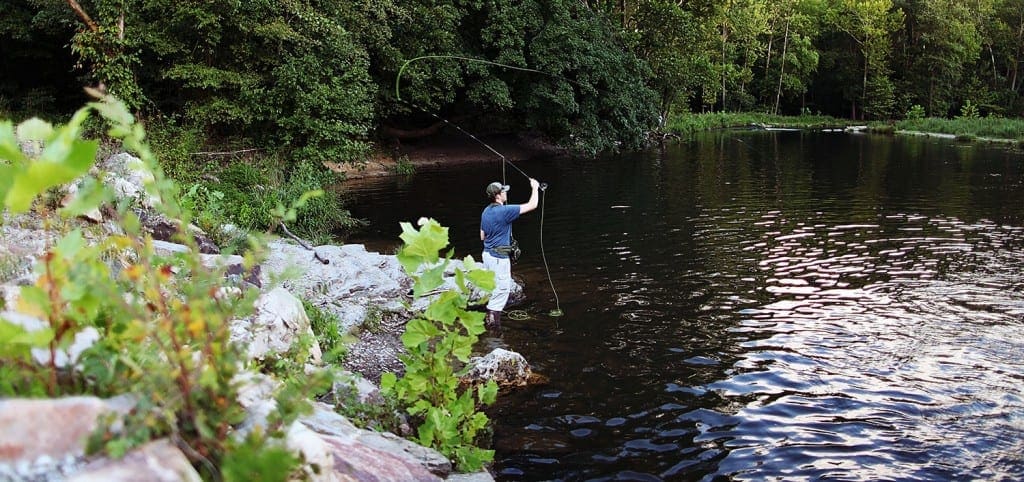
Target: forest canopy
x=318 y=77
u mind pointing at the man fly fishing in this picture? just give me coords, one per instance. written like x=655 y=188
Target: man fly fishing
x=496 y=233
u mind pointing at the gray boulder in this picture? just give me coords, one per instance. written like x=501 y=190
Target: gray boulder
x=336 y=450
x=506 y=368
x=279 y=322
x=156 y=461
x=353 y=284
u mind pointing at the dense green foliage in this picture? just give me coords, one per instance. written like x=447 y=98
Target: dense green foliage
x=162 y=320
x=438 y=342
x=315 y=80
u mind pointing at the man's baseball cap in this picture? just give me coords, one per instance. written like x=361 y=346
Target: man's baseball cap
x=495 y=187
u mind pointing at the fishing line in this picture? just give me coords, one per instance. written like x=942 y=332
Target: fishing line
x=504 y=161
x=558 y=307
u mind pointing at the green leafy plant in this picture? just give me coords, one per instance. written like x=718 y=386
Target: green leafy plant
x=404 y=167
x=163 y=321
x=327 y=328
x=382 y=415
x=439 y=341
x=969 y=111
x=915 y=112
x=373 y=319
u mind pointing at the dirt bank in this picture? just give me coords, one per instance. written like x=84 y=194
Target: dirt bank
x=446 y=151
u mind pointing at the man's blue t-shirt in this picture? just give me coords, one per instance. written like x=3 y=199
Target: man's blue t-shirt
x=496 y=223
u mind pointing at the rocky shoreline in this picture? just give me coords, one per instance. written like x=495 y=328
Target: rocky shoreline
x=368 y=292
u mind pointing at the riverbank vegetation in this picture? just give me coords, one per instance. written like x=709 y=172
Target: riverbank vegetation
x=686 y=124
x=161 y=324
x=285 y=86
x=981 y=128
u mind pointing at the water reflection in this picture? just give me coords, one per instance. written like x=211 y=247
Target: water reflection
x=793 y=306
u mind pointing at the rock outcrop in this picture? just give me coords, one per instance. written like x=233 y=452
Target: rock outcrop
x=45 y=439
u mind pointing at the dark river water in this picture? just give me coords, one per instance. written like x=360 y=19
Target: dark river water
x=755 y=305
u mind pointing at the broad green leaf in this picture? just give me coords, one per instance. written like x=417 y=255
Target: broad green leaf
x=420 y=406
x=488 y=392
x=34 y=129
x=444 y=308
x=74 y=126
x=463 y=405
x=9 y=148
x=44 y=174
x=17 y=342
x=387 y=381
x=482 y=278
x=429 y=280
x=426 y=431
x=418 y=331
x=463 y=348
x=7 y=175
x=34 y=301
x=114 y=110
x=425 y=243
x=460 y=280
x=473 y=322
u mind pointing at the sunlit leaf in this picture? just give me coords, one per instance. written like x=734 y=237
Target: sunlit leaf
x=418 y=331
x=16 y=341
x=91 y=194
x=44 y=174
x=463 y=348
x=473 y=322
x=482 y=278
x=488 y=392
x=9 y=148
x=34 y=129
x=444 y=308
x=429 y=280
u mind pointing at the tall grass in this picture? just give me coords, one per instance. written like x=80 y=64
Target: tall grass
x=984 y=127
x=686 y=124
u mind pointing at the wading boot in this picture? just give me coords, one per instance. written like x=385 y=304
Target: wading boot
x=493 y=320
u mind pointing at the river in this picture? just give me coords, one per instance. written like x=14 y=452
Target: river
x=755 y=305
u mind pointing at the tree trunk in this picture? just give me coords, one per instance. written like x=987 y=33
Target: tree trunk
x=724 y=36
x=864 y=87
x=1016 y=59
x=782 y=69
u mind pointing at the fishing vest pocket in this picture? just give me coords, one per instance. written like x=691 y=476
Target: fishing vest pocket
x=512 y=251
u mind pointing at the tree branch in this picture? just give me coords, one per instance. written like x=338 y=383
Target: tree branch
x=84 y=16
x=225 y=153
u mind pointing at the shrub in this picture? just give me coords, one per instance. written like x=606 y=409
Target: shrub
x=255 y=193
x=327 y=328
x=441 y=338
x=916 y=112
x=163 y=321
x=968 y=111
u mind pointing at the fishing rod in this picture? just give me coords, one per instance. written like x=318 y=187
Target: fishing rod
x=504 y=160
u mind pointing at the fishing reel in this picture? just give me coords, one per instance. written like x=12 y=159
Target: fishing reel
x=543 y=186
